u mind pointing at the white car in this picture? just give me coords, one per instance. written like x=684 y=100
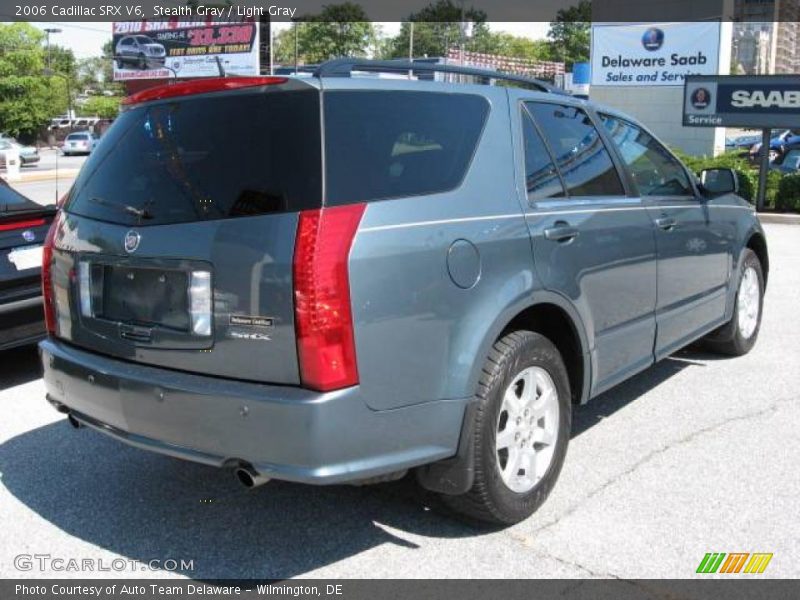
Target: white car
x=81 y=142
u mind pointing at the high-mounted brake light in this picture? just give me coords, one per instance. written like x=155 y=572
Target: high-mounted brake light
x=13 y=226
x=323 y=317
x=201 y=86
x=47 y=277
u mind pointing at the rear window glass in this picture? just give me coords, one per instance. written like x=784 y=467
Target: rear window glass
x=205 y=158
x=77 y=136
x=389 y=144
x=12 y=200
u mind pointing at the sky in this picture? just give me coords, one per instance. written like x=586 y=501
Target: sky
x=87 y=39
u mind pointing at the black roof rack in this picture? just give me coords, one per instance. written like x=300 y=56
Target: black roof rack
x=343 y=67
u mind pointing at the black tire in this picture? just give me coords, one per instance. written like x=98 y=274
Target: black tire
x=729 y=339
x=490 y=499
x=120 y=64
x=142 y=62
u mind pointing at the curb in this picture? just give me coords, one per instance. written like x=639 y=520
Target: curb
x=782 y=218
x=44 y=176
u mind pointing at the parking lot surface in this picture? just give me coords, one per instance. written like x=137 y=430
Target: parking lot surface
x=698 y=454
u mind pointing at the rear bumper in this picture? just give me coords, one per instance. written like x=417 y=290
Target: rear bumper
x=283 y=432
x=21 y=322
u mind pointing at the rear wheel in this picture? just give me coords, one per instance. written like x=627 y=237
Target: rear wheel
x=521 y=431
x=738 y=336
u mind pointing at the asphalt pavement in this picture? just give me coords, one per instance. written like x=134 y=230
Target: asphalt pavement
x=698 y=454
x=51 y=159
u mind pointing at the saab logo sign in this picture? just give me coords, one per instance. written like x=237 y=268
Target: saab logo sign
x=701 y=98
x=648 y=55
x=742 y=101
x=765 y=99
x=653 y=39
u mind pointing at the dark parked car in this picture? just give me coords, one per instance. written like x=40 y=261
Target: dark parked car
x=23 y=227
x=789 y=161
x=389 y=276
x=779 y=143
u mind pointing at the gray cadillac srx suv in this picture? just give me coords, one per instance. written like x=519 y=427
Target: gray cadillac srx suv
x=342 y=278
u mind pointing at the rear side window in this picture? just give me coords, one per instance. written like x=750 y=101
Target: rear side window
x=541 y=177
x=655 y=171
x=389 y=144
x=581 y=157
x=232 y=155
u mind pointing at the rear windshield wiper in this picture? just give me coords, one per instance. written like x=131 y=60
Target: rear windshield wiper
x=140 y=213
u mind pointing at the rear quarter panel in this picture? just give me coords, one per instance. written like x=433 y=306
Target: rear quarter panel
x=419 y=336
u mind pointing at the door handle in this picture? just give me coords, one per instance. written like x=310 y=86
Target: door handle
x=667 y=223
x=561 y=232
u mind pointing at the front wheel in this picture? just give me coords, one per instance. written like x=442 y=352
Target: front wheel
x=738 y=336
x=521 y=430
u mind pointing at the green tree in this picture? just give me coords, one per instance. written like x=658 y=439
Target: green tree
x=283 y=46
x=339 y=30
x=569 y=33
x=106 y=107
x=437 y=28
x=506 y=44
x=91 y=72
x=28 y=98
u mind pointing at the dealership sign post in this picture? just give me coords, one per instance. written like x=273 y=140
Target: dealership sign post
x=759 y=101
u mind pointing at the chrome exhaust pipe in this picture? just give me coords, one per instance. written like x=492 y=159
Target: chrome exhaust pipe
x=249 y=477
x=74 y=422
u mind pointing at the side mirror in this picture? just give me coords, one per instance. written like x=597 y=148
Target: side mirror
x=719 y=181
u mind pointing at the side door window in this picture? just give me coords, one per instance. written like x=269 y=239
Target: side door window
x=580 y=155
x=541 y=177
x=655 y=171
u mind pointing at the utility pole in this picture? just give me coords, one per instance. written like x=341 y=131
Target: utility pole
x=410 y=47
x=48 y=31
x=296 y=23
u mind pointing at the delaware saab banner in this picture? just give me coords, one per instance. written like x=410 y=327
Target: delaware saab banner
x=657 y=54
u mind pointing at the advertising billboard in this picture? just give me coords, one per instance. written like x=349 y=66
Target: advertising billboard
x=660 y=54
x=742 y=101
x=165 y=49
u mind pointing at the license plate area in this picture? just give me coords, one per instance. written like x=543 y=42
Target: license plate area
x=138 y=303
x=143 y=296
x=27 y=257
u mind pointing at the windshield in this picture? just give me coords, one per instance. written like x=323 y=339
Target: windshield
x=224 y=156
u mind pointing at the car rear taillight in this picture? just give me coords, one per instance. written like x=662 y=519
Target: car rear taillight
x=47 y=277
x=323 y=317
x=24 y=224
